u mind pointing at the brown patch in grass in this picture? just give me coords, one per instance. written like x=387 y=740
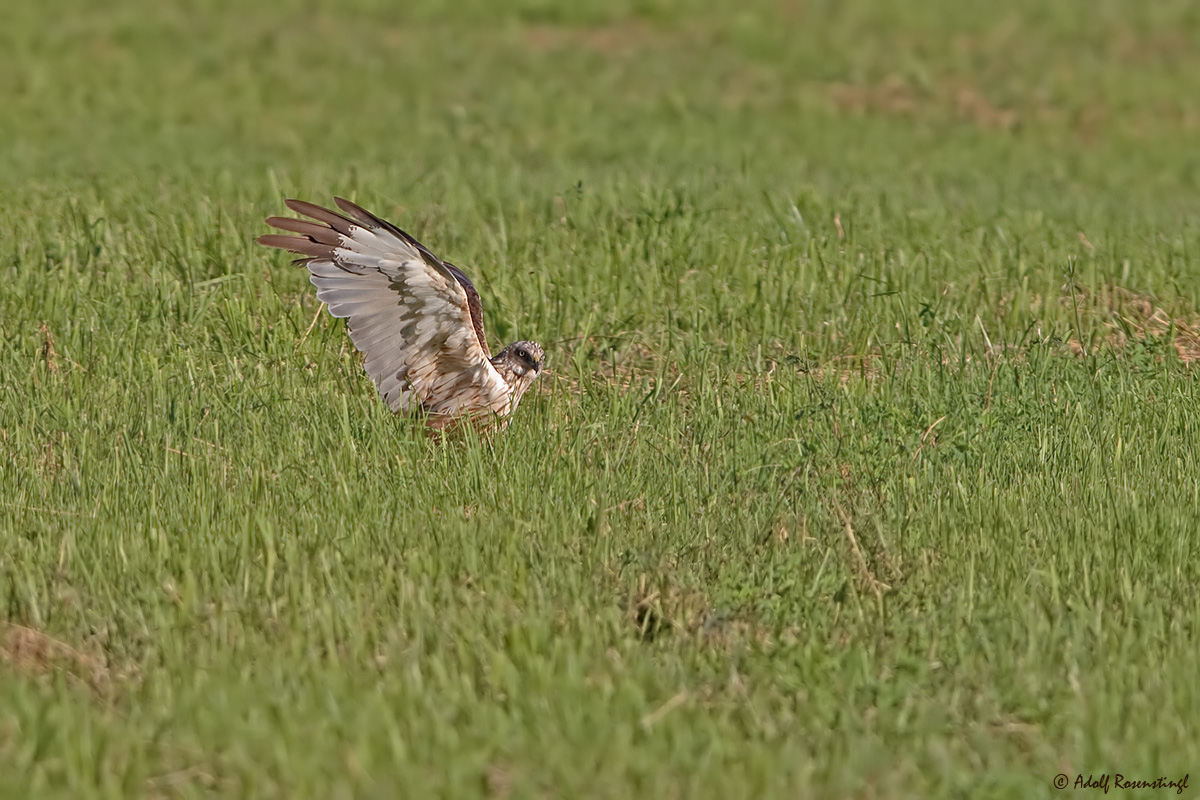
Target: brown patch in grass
x=655 y=716
x=1167 y=48
x=630 y=365
x=860 y=561
x=953 y=98
x=842 y=368
x=49 y=354
x=1131 y=317
x=34 y=654
x=661 y=607
x=50 y=461
x=971 y=105
x=621 y=38
x=892 y=97
x=177 y=782
x=627 y=367
x=497 y=782
x=658 y=608
x=787 y=528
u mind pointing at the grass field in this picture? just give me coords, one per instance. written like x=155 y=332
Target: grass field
x=868 y=468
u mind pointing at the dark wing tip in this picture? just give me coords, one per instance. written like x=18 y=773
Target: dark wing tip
x=358 y=212
x=299 y=206
x=331 y=218
x=365 y=217
x=288 y=223
x=275 y=240
x=297 y=244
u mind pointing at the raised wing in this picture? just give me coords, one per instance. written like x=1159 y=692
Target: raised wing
x=417 y=320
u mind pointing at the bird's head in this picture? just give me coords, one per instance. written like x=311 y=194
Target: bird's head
x=523 y=359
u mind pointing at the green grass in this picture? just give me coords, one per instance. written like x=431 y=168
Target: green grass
x=866 y=471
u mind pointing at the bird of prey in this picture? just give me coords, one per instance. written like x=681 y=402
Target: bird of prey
x=417 y=319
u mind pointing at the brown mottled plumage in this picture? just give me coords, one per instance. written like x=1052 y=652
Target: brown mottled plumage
x=417 y=319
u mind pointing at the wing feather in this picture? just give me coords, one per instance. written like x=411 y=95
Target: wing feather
x=416 y=319
x=474 y=304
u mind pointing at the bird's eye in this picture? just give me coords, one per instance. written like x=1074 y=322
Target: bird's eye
x=522 y=354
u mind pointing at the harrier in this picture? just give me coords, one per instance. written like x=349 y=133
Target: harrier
x=417 y=319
